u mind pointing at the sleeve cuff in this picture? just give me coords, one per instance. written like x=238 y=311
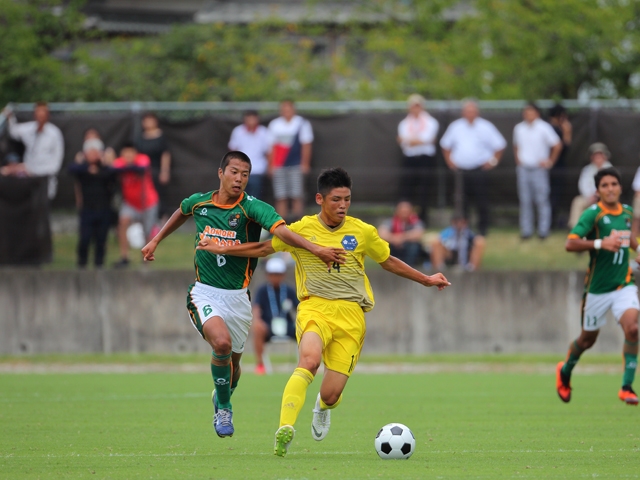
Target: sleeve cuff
x=276 y=225
x=572 y=236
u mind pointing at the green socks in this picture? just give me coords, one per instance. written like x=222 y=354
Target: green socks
x=222 y=380
x=630 y=362
x=572 y=359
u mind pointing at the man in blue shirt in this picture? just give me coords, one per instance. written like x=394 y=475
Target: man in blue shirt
x=273 y=310
x=458 y=245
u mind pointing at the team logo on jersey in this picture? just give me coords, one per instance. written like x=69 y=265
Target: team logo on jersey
x=203 y=212
x=349 y=243
x=627 y=222
x=606 y=220
x=234 y=220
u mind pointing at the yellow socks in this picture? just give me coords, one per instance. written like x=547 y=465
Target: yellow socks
x=294 y=396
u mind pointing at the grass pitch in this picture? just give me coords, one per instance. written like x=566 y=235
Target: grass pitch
x=481 y=425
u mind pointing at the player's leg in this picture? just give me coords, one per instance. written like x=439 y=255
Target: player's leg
x=629 y=324
x=295 y=392
x=260 y=331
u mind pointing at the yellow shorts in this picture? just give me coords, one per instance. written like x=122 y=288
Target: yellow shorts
x=341 y=326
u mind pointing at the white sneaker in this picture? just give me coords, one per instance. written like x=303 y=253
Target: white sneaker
x=284 y=437
x=321 y=421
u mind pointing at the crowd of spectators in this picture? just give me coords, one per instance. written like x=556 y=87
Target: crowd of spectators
x=130 y=186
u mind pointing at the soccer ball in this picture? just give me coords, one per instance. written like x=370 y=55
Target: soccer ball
x=395 y=441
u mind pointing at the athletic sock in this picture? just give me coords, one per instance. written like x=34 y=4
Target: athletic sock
x=294 y=396
x=234 y=382
x=572 y=358
x=221 y=380
x=324 y=406
x=630 y=353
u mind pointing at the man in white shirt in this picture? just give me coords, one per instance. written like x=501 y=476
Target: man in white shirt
x=599 y=156
x=44 y=147
x=417 y=134
x=472 y=146
x=254 y=140
x=536 y=147
x=290 y=159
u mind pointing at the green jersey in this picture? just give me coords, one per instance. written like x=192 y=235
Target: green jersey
x=241 y=222
x=608 y=271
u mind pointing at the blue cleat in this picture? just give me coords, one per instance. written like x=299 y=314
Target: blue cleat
x=223 y=422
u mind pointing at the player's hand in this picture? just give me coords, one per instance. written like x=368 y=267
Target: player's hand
x=437 y=280
x=207 y=244
x=612 y=243
x=330 y=255
x=148 y=251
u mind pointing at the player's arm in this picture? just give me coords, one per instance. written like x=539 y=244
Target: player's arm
x=398 y=267
x=327 y=254
x=577 y=244
x=249 y=249
x=175 y=221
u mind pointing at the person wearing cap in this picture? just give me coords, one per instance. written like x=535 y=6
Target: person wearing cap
x=599 y=156
x=457 y=245
x=536 y=147
x=273 y=310
x=95 y=186
x=417 y=134
x=255 y=140
x=472 y=146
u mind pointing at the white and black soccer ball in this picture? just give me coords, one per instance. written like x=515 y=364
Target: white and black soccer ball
x=395 y=441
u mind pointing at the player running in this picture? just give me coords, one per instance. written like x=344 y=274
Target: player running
x=218 y=301
x=604 y=230
x=330 y=325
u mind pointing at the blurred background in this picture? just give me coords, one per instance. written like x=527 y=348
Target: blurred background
x=198 y=67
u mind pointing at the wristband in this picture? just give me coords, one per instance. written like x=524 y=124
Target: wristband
x=597 y=244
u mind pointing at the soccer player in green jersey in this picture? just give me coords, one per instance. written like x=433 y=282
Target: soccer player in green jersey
x=604 y=230
x=330 y=325
x=218 y=302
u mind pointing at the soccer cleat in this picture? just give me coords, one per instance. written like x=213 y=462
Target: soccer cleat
x=260 y=370
x=563 y=384
x=627 y=395
x=223 y=422
x=321 y=421
x=284 y=437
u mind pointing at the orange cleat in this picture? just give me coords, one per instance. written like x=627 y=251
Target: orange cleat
x=563 y=387
x=260 y=370
x=628 y=396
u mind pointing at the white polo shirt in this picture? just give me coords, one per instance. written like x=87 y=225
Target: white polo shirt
x=43 y=151
x=423 y=128
x=255 y=144
x=472 y=144
x=283 y=132
x=534 y=141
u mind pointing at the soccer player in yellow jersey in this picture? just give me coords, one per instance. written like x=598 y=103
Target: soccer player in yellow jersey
x=330 y=325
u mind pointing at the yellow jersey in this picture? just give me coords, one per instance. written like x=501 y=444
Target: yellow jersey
x=343 y=282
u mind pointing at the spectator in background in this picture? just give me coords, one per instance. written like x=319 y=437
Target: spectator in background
x=44 y=147
x=273 y=308
x=562 y=126
x=599 y=156
x=536 y=148
x=139 y=197
x=417 y=134
x=290 y=159
x=404 y=232
x=472 y=146
x=152 y=143
x=458 y=245
x=254 y=140
x=96 y=183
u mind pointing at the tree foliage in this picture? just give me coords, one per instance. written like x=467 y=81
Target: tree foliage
x=491 y=49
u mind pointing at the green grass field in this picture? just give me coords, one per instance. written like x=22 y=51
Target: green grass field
x=467 y=425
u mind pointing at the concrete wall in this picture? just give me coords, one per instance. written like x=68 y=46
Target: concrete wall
x=144 y=311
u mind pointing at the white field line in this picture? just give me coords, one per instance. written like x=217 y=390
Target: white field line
x=363 y=368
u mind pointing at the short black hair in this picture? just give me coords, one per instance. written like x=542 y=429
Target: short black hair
x=532 y=105
x=250 y=113
x=149 y=115
x=613 y=172
x=243 y=157
x=557 y=110
x=333 y=178
x=128 y=145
